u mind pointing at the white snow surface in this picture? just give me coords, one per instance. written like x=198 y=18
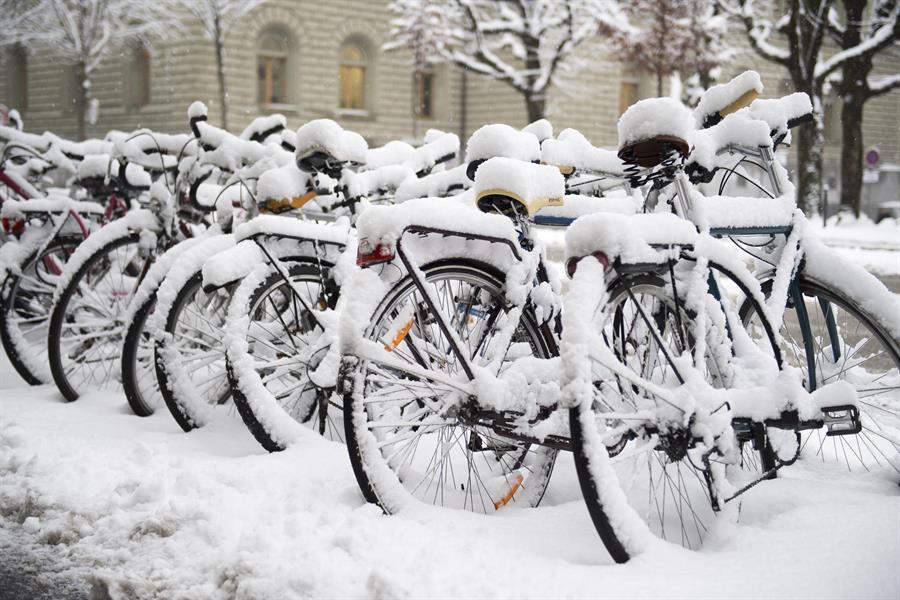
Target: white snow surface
x=325 y=135
x=150 y=512
x=502 y=140
x=629 y=237
x=572 y=149
x=655 y=117
x=14 y=209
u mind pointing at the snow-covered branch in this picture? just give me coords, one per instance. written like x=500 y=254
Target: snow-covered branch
x=883 y=85
x=885 y=35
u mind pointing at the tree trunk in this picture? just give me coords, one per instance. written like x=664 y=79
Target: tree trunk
x=810 y=140
x=81 y=99
x=220 y=70
x=852 y=152
x=535 y=105
x=659 y=84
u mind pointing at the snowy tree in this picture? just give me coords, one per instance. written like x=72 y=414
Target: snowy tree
x=415 y=29
x=794 y=38
x=83 y=32
x=522 y=43
x=219 y=17
x=670 y=37
x=853 y=82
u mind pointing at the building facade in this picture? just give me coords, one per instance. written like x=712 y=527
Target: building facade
x=310 y=60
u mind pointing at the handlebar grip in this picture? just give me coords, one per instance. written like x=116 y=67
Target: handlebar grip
x=802 y=120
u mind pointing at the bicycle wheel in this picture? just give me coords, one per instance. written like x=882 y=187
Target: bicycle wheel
x=280 y=343
x=26 y=299
x=138 y=374
x=411 y=434
x=190 y=359
x=86 y=326
x=636 y=480
x=845 y=343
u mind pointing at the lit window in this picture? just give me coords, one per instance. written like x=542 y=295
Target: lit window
x=424 y=83
x=628 y=94
x=17 y=78
x=352 y=78
x=137 y=77
x=272 y=68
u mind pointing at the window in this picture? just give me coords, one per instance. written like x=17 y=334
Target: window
x=17 y=78
x=69 y=89
x=628 y=94
x=424 y=83
x=352 y=78
x=272 y=68
x=137 y=77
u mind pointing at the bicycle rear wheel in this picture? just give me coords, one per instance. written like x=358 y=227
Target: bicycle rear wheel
x=633 y=481
x=138 y=375
x=411 y=436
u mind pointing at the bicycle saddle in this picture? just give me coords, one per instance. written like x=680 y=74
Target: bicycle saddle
x=516 y=188
x=653 y=132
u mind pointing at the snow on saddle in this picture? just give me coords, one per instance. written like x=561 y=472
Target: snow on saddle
x=512 y=187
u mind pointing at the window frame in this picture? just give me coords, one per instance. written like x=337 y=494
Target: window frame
x=17 y=77
x=423 y=83
x=362 y=67
x=266 y=58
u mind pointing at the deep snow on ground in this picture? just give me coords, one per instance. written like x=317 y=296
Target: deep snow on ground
x=143 y=510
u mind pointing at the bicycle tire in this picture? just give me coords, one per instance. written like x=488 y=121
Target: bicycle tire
x=68 y=387
x=505 y=459
x=140 y=398
x=29 y=362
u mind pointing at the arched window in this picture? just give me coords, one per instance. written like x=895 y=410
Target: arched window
x=17 y=78
x=353 y=77
x=137 y=77
x=272 y=58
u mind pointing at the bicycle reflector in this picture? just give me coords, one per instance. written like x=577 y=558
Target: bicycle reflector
x=572 y=263
x=368 y=253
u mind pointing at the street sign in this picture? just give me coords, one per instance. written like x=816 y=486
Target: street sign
x=873 y=157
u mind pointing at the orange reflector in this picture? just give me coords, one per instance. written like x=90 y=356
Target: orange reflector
x=299 y=201
x=512 y=492
x=401 y=335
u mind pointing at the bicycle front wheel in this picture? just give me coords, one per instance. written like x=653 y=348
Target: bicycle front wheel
x=832 y=337
x=27 y=300
x=411 y=434
x=87 y=324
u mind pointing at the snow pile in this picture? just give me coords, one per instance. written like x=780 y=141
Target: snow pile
x=384 y=224
x=54 y=203
x=535 y=186
x=262 y=128
x=733 y=211
x=778 y=112
x=376 y=182
x=734 y=130
x=719 y=97
x=635 y=239
x=441 y=183
x=96 y=166
x=654 y=117
x=572 y=149
x=285 y=182
x=324 y=135
x=502 y=140
x=392 y=153
x=542 y=129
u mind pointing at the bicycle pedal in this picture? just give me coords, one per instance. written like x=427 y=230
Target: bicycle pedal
x=841 y=420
